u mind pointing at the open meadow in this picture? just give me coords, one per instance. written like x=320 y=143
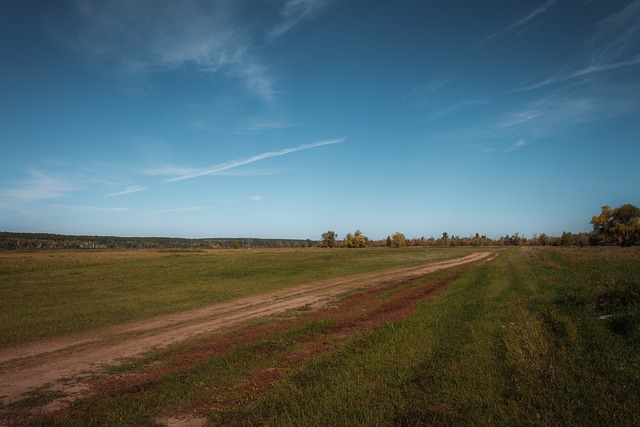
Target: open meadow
x=49 y=293
x=532 y=336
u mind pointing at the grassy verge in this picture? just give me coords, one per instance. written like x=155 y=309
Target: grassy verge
x=48 y=293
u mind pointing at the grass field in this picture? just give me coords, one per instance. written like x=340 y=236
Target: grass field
x=48 y=293
x=538 y=336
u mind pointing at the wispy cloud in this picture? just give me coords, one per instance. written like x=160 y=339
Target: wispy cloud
x=546 y=114
x=431 y=86
x=80 y=208
x=614 y=46
x=597 y=68
x=178 y=210
x=521 y=25
x=294 y=12
x=156 y=36
x=438 y=83
x=617 y=36
x=216 y=169
x=485 y=149
x=568 y=106
x=130 y=189
x=41 y=186
x=518 y=144
x=181 y=171
x=212 y=37
x=454 y=108
x=258 y=124
x=524 y=21
x=582 y=72
x=520 y=117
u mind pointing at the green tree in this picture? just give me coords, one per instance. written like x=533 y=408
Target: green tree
x=329 y=239
x=617 y=226
x=543 y=239
x=568 y=239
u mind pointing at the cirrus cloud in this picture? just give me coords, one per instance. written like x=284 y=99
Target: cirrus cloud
x=41 y=186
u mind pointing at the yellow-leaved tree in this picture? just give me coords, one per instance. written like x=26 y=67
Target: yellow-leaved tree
x=620 y=226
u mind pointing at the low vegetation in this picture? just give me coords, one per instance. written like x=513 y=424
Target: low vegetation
x=48 y=293
x=538 y=336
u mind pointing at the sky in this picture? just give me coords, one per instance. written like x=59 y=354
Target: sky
x=288 y=118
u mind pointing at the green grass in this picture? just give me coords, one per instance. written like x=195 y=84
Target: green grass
x=519 y=341
x=188 y=382
x=538 y=336
x=49 y=293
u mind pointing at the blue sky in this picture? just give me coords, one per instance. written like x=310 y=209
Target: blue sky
x=287 y=118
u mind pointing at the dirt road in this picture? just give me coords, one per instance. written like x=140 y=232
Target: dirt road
x=62 y=363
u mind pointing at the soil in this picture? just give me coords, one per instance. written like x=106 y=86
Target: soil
x=65 y=365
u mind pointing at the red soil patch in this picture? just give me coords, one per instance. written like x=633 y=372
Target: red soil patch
x=358 y=313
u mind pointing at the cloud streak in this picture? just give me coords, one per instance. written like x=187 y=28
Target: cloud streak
x=129 y=190
x=519 y=26
x=518 y=144
x=294 y=12
x=616 y=45
x=617 y=35
x=178 y=210
x=524 y=21
x=222 y=167
x=455 y=108
x=582 y=72
x=76 y=208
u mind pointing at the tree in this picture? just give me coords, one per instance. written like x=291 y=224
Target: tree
x=360 y=240
x=398 y=240
x=329 y=239
x=617 y=226
x=568 y=239
x=543 y=239
x=356 y=240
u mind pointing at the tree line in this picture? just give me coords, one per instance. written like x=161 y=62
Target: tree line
x=400 y=240
x=619 y=226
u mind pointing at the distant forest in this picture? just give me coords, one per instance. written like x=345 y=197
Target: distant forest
x=58 y=241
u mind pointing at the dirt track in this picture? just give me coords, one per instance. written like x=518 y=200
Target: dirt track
x=62 y=363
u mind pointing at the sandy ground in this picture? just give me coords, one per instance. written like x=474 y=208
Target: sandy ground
x=63 y=363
